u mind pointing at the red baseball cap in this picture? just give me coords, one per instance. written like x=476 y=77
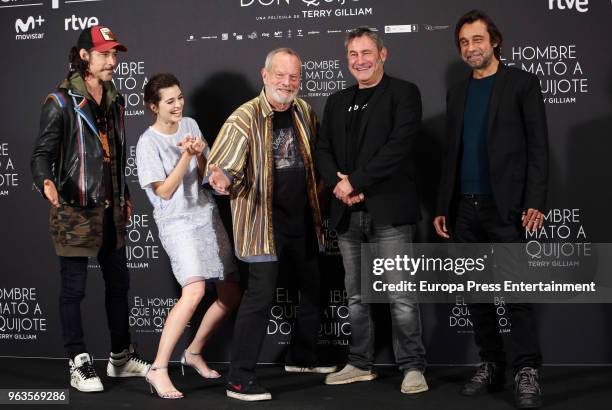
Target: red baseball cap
x=99 y=38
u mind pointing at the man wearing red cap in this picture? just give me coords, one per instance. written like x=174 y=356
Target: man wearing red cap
x=78 y=166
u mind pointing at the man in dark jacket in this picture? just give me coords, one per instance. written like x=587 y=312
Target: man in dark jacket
x=365 y=153
x=78 y=166
x=493 y=188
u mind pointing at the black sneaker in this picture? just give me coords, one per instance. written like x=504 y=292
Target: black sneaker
x=490 y=377
x=527 y=391
x=249 y=391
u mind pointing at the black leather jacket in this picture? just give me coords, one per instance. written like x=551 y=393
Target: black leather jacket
x=69 y=151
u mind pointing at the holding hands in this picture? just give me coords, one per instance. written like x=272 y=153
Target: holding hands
x=218 y=180
x=192 y=145
x=532 y=219
x=344 y=191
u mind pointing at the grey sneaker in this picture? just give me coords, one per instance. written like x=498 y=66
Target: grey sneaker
x=350 y=374
x=315 y=369
x=414 y=382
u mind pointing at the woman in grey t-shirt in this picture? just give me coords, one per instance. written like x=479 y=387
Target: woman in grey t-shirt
x=171 y=162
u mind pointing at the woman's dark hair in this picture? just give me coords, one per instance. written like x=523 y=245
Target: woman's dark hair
x=494 y=33
x=77 y=64
x=156 y=83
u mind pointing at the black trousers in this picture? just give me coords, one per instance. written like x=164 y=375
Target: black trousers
x=117 y=282
x=478 y=221
x=252 y=319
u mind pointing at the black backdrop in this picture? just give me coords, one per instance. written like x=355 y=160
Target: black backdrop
x=216 y=48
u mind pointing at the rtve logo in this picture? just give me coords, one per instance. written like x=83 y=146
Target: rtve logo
x=77 y=23
x=581 y=6
x=25 y=26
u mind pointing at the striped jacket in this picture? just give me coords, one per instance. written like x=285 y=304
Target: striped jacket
x=243 y=149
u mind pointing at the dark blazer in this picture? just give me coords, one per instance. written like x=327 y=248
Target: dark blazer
x=384 y=167
x=517 y=145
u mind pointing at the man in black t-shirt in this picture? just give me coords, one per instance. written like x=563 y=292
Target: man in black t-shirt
x=290 y=211
x=365 y=152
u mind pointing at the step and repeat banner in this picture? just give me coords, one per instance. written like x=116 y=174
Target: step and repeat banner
x=217 y=48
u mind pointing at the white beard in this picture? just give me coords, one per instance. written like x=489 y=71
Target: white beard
x=279 y=98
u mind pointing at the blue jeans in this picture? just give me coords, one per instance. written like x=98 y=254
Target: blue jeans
x=405 y=315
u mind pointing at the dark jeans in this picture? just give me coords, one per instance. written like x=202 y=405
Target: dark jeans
x=252 y=320
x=478 y=221
x=405 y=314
x=117 y=281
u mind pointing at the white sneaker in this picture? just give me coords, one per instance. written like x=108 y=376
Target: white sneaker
x=83 y=376
x=414 y=382
x=126 y=364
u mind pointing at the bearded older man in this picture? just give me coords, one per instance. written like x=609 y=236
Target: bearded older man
x=262 y=158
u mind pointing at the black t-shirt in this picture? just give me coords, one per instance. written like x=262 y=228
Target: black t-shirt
x=290 y=203
x=354 y=118
x=353 y=122
x=101 y=118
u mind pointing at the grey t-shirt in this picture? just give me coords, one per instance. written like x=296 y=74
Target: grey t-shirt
x=156 y=157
